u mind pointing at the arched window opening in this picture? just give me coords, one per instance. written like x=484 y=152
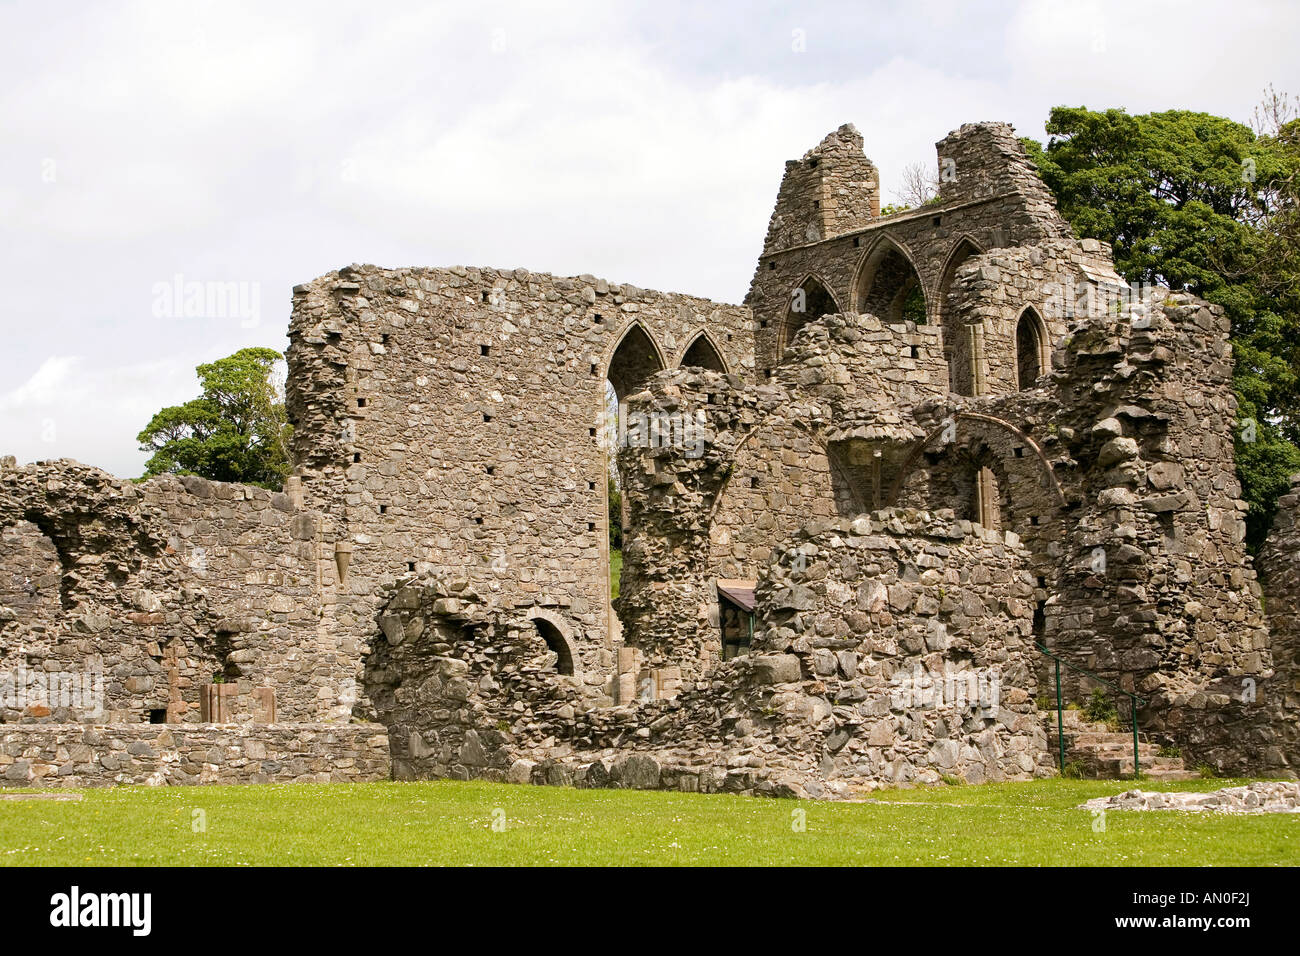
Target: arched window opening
x=809 y=301
x=1030 y=349
x=635 y=360
x=702 y=354
x=633 y=364
x=959 y=341
x=891 y=289
x=556 y=642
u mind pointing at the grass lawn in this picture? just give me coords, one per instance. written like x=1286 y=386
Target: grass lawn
x=445 y=822
x=615 y=569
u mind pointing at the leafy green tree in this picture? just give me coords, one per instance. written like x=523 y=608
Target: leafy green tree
x=1206 y=204
x=237 y=430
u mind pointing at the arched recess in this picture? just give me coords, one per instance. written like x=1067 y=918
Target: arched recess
x=702 y=353
x=1032 y=350
x=634 y=360
x=809 y=300
x=989 y=471
x=833 y=462
x=952 y=427
x=553 y=631
x=958 y=340
x=889 y=287
x=766 y=495
x=972 y=481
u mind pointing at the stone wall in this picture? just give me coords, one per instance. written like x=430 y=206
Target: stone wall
x=832 y=190
x=1279 y=566
x=824 y=707
x=454 y=420
x=1148 y=416
x=1279 y=569
x=779 y=480
x=982 y=159
x=88 y=755
x=1012 y=448
x=996 y=200
x=991 y=292
x=160 y=587
x=917 y=629
x=1152 y=587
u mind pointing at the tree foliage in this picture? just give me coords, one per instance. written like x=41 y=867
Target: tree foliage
x=237 y=430
x=1206 y=204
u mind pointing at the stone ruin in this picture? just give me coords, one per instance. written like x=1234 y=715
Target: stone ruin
x=854 y=509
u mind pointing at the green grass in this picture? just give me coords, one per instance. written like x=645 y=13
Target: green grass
x=615 y=569
x=1033 y=823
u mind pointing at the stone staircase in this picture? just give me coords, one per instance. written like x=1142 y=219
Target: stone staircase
x=1105 y=754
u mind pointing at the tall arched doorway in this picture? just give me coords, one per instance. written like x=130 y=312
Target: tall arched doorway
x=634 y=361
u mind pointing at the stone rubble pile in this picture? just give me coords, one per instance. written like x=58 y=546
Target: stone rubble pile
x=1270 y=796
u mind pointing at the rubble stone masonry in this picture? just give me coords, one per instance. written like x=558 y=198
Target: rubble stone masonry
x=928 y=444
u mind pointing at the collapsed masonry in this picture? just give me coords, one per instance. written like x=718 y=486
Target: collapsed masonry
x=854 y=509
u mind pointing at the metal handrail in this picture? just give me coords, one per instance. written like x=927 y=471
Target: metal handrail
x=1133 y=700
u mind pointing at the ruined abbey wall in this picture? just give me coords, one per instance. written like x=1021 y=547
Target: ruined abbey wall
x=918 y=629
x=780 y=479
x=880 y=661
x=1046 y=285
x=455 y=420
x=1148 y=416
x=159 y=587
x=1118 y=473
x=929 y=441
x=991 y=197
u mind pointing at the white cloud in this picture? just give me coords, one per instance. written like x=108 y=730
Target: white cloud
x=272 y=143
x=43 y=388
x=69 y=405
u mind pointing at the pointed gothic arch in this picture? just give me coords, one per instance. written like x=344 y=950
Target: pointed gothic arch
x=810 y=299
x=961 y=346
x=1033 y=354
x=889 y=286
x=634 y=360
x=703 y=352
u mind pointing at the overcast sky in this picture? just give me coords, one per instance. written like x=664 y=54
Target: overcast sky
x=267 y=143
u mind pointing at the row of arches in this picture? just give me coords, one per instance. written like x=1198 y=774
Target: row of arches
x=889 y=287
x=637 y=357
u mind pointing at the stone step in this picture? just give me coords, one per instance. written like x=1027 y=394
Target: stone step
x=1101 y=740
x=1169 y=774
x=1077 y=725
x=1158 y=768
x=1108 y=754
x=1116 y=749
